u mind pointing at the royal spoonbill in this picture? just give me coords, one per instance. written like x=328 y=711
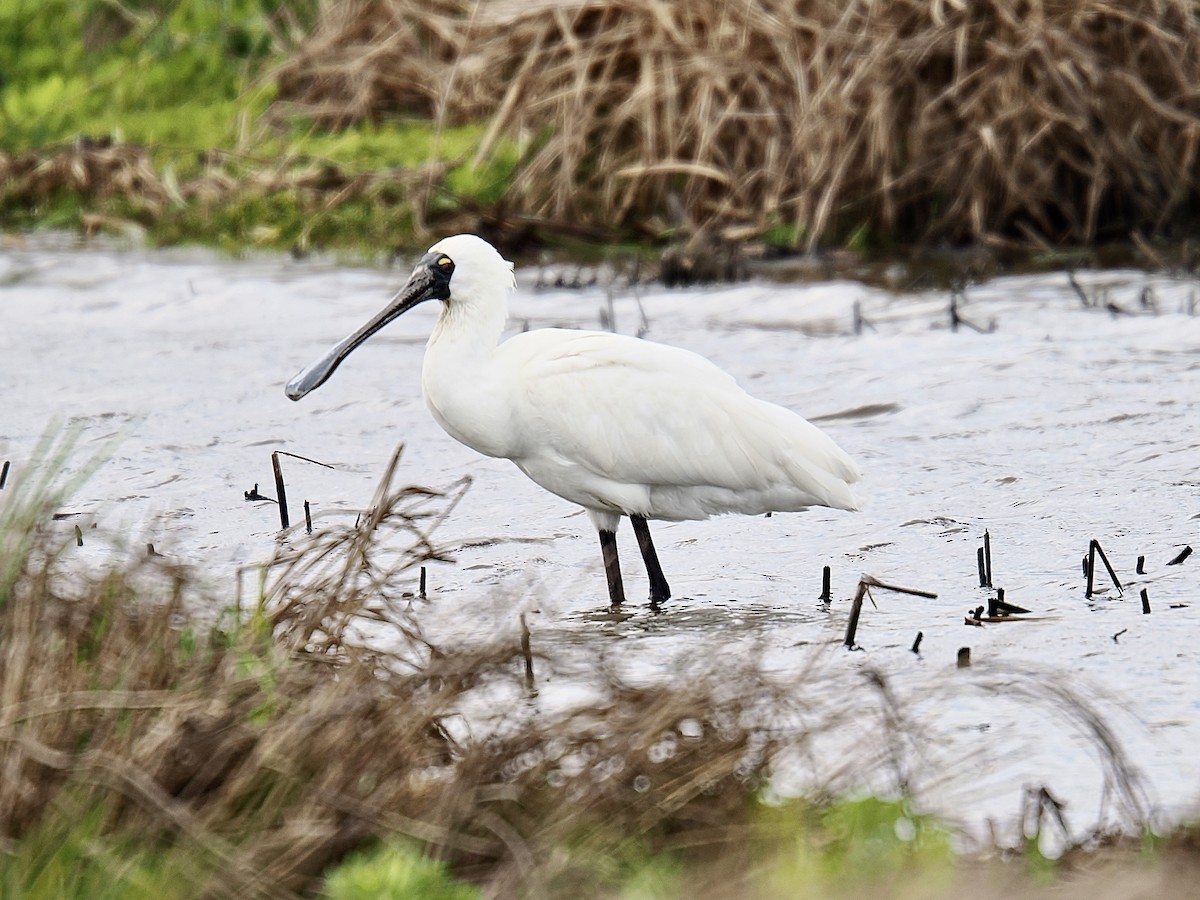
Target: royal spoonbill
x=619 y=425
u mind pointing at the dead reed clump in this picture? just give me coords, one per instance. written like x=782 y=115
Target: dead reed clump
x=88 y=168
x=371 y=58
x=827 y=121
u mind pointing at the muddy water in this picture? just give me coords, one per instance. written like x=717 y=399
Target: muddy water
x=1057 y=425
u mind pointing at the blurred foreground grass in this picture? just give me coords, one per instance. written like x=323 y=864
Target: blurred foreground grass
x=157 y=741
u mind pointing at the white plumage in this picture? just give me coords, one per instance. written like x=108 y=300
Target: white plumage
x=618 y=425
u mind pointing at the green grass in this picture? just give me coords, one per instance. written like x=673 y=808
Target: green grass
x=71 y=855
x=851 y=845
x=166 y=72
x=394 y=871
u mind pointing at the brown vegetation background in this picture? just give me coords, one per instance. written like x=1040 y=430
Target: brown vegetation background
x=825 y=120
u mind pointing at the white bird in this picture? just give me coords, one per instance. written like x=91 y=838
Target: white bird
x=619 y=425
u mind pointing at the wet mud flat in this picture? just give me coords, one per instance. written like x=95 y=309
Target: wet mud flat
x=1043 y=414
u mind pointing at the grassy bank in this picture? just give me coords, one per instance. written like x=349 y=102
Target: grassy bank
x=158 y=120
x=827 y=124
x=157 y=740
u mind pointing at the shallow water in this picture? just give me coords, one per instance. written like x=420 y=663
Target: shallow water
x=1063 y=424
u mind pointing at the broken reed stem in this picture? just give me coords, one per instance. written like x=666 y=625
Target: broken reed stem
x=307 y=518
x=982 y=568
x=1145 y=601
x=916 y=647
x=279 y=490
x=315 y=462
x=1097 y=549
x=1183 y=554
x=527 y=653
x=421 y=591
x=855 y=612
x=1141 y=566
x=78 y=536
x=1089 y=567
x=1004 y=607
x=3 y=474
x=825 y=595
x=872 y=581
x=987 y=556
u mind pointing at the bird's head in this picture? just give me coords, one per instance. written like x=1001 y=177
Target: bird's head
x=475 y=269
x=460 y=269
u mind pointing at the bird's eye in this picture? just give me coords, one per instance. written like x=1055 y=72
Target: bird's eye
x=446 y=264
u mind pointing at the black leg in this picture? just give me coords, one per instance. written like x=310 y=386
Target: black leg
x=659 y=589
x=612 y=567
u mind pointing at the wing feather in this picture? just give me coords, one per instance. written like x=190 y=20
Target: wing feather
x=643 y=413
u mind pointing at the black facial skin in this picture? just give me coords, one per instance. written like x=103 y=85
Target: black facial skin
x=430 y=280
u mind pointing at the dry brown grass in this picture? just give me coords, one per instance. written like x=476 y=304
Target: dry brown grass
x=93 y=169
x=96 y=171
x=1066 y=122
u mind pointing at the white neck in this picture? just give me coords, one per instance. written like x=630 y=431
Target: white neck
x=462 y=391
x=467 y=322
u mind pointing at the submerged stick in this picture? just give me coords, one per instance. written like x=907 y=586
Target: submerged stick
x=1183 y=554
x=1083 y=297
x=981 y=566
x=987 y=556
x=307 y=519
x=78 y=536
x=1141 y=565
x=1118 y=634
x=421 y=591
x=964 y=657
x=916 y=647
x=956 y=318
x=860 y=321
x=1145 y=602
x=3 y=474
x=825 y=585
x=279 y=490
